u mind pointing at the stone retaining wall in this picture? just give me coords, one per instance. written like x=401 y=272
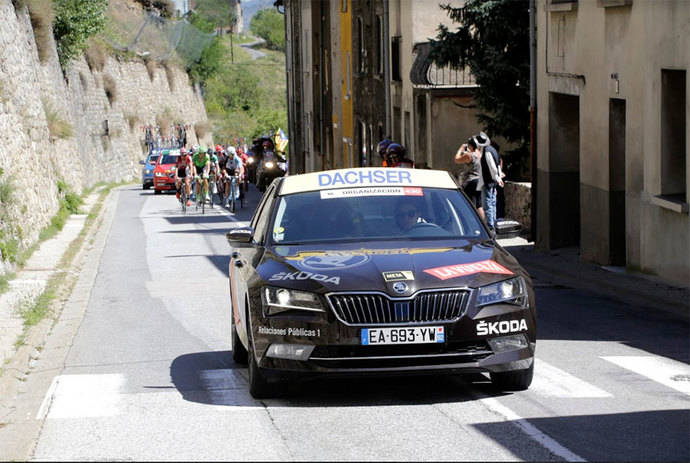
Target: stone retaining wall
x=518 y=200
x=33 y=162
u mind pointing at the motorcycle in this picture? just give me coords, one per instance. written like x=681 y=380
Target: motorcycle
x=271 y=167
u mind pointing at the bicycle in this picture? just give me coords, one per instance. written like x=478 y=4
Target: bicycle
x=201 y=196
x=234 y=191
x=244 y=189
x=183 y=197
x=212 y=186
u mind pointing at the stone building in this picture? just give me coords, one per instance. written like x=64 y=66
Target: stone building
x=351 y=83
x=612 y=132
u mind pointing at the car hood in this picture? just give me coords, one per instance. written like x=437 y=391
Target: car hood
x=417 y=264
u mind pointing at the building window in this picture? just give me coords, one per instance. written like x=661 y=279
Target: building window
x=380 y=44
x=363 y=158
x=361 y=51
x=673 y=134
x=395 y=59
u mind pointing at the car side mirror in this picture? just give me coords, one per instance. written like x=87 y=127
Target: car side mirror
x=240 y=235
x=142 y=162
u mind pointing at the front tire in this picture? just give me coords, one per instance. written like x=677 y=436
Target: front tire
x=518 y=380
x=259 y=387
x=156 y=192
x=239 y=353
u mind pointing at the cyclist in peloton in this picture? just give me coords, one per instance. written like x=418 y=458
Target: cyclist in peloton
x=202 y=165
x=233 y=163
x=184 y=167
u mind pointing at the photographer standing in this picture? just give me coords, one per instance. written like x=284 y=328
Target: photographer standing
x=469 y=154
x=490 y=178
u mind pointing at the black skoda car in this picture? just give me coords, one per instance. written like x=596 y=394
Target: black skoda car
x=376 y=271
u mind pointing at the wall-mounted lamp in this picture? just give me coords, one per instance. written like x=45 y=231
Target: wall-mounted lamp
x=614 y=76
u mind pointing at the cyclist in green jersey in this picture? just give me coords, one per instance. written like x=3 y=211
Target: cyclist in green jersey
x=202 y=164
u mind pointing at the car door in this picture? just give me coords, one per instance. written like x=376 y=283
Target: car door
x=243 y=262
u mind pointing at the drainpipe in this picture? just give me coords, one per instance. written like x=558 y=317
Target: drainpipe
x=533 y=117
x=387 y=66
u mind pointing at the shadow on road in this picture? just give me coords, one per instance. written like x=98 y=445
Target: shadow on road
x=221 y=262
x=576 y=315
x=658 y=435
x=213 y=378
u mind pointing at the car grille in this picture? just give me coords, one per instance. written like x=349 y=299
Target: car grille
x=379 y=309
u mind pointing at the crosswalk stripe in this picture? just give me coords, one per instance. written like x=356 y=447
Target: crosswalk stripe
x=80 y=396
x=550 y=381
x=532 y=431
x=665 y=371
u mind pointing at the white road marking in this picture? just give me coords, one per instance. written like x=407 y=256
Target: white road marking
x=531 y=431
x=47 y=400
x=79 y=396
x=550 y=381
x=665 y=371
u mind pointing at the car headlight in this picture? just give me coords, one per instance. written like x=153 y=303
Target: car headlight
x=269 y=165
x=148 y=172
x=277 y=300
x=159 y=174
x=250 y=161
x=511 y=291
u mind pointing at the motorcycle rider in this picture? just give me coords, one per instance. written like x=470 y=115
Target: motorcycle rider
x=396 y=156
x=381 y=150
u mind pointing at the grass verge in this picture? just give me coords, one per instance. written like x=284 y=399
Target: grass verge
x=60 y=285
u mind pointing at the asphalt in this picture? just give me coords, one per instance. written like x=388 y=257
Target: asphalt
x=561 y=268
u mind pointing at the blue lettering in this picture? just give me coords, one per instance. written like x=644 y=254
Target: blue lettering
x=337 y=178
x=365 y=176
x=324 y=179
x=393 y=176
x=379 y=176
x=406 y=175
x=347 y=177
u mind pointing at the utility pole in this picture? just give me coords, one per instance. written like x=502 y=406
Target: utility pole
x=232 y=29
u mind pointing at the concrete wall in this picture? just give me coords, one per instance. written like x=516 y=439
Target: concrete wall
x=33 y=161
x=596 y=53
x=414 y=22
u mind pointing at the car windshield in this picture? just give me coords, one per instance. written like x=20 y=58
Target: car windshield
x=169 y=159
x=363 y=214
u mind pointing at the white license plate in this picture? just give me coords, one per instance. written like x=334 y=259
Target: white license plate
x=416 y=335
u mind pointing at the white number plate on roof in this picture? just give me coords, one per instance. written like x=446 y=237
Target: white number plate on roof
x=367 y=177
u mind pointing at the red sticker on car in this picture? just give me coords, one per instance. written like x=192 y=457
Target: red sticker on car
x=412 y=191
x=459 y=270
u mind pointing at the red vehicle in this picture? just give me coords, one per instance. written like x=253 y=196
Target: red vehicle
x=164 y=172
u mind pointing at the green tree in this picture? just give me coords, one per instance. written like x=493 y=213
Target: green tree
x=492 y=39
x=270 y=26
x=209 y=63
x=75 y=22
x=215 y=11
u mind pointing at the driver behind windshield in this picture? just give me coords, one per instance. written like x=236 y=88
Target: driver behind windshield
x=407 y=215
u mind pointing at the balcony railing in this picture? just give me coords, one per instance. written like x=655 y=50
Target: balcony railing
x=425 y=73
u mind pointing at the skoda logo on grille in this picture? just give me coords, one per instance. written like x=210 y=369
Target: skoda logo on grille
x=400 y=287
